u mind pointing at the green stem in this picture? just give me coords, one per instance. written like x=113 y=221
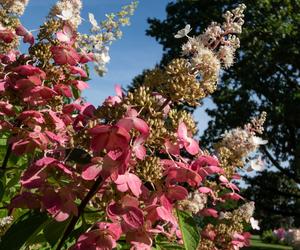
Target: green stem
x=6 y=157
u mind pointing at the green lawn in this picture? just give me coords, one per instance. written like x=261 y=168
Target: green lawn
x=256 y=244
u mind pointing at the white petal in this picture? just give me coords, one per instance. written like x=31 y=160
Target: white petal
x=259 y=141
x=183 y=32
x=92 y=19
x=65 y=15
x=257 y=164
x=254 y=224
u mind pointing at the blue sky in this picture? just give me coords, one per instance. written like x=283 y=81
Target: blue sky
x=129 y=56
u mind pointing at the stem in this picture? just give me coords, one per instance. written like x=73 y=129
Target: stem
x=6 y=157
x=96 y=186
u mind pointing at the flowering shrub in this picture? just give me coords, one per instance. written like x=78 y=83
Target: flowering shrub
x=126 y=174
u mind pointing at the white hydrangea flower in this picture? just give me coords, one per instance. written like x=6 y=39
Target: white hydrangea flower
x=258 y=141
x=254 y=224
x=256 y=164
x=183 y=32
x=65 y=15
x=95 y=26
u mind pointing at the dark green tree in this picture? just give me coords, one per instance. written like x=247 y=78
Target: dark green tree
x=265 y=77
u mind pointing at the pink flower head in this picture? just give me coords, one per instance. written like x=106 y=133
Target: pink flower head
x=59 y=204
x=209 y=212
x=26 y=84
x=78 y=70
x=6 y=108
x=30 y=70
x=138 y=148
x=116 y=162
x=204 y=161
x=172 y=148
x=72 y=107
x=31 y=118
x=176 y=193
x=63 y=90
x=102 y=238
x=241 y=240
x=35 y=175
x=88 y=110
x=6 y=35
x=232 y=196
x=113 y=100
x=210 y=170
x=57 y=122
x=38 y=95
x=181 y=174
x=130 y=182
x=65 y=54
x=205 y=190
x=132 y=217
x=109 y=138
x=86 y=57
x=139 y=240
x=27 y=36
x=80 y=85
x=27 y=142
x=56 y=138
x=209 y=233
x=132 y=121
x=92 y=170
x=189 y=143
x=9 y=57
x=160 y=213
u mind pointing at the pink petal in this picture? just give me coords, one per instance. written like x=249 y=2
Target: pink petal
x=177 y=193
x=118 y=90
x=182 y=131
x=134 y=183
x=192 y=146
x=91 y=172
x=223 y=179
x=78 y=70
x=81 y=85
x=64 y=54
x=209 y=212
x=165 y=215
x=134 y=218
x=204 y=190
x=172 y=148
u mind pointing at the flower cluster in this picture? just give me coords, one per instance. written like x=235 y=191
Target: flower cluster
x=132 y=162
x=15 y=7
x=103 y=33
x=221 y=39
x=68 y=10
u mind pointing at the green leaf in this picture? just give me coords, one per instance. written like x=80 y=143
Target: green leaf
x=23 y=229
x=76 y=92
x=54 y=230
x=189 y=230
